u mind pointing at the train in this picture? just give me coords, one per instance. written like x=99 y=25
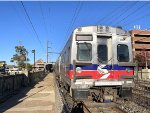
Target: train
x=97 y=62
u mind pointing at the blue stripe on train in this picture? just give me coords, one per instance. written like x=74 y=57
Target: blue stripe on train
x=109 y=67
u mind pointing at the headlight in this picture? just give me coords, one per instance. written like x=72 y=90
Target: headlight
x=78 y=69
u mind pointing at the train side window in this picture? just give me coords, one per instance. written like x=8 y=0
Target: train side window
x=68 y=59
x=84 y=52
x=62 y=58
x=65 y=57
x=102 y=53
x=122 y=53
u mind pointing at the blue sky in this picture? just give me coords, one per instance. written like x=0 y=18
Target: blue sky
x=54 y=21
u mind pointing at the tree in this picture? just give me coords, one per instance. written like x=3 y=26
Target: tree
x=20 y=57
x=143 y=58
x=29 y=67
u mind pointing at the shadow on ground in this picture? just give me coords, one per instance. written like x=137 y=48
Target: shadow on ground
x=78 y=108
x=20 y=95
x=75 y=109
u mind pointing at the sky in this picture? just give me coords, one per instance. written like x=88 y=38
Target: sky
x=31 y=24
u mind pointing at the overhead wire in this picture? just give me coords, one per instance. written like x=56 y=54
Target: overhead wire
x=81 y=4
x=44 y=21
x=49 y=12
x=109 y=15
x=73 y=19
x=21 y=19
x=133 y=12
x=123 y=11
x=77 y=9
x=136 y=10
x=137 y=19
x=50 y=26
x=140 y=19
x=32 y=25
x=141 y=31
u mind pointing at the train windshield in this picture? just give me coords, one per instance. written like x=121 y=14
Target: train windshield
x=102 y=54
x=122 y=53
x=84 y=51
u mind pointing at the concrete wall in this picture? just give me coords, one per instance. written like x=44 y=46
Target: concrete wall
x=11 y=84
x=36 y=77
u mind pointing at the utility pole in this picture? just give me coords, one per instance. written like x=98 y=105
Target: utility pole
x=47 y=53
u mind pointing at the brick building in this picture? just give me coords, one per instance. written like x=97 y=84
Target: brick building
x=141 y=44
x=39 y=65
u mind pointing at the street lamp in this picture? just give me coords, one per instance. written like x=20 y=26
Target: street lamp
x=33 y=51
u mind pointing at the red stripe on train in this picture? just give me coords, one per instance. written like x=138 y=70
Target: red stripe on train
x=116 y=74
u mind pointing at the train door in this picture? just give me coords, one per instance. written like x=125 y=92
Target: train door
x=104 y=56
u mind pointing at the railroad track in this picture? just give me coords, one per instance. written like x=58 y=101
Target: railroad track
x=111 y=107
x=141 y=93
x=73 y=106
x=140 y=102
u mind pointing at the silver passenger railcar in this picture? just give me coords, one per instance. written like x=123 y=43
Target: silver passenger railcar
x=97 y=57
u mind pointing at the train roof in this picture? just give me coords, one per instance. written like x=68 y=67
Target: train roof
x=109 y=30
x=102 y=30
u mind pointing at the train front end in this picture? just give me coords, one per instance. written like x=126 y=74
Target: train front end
x=101 y=58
